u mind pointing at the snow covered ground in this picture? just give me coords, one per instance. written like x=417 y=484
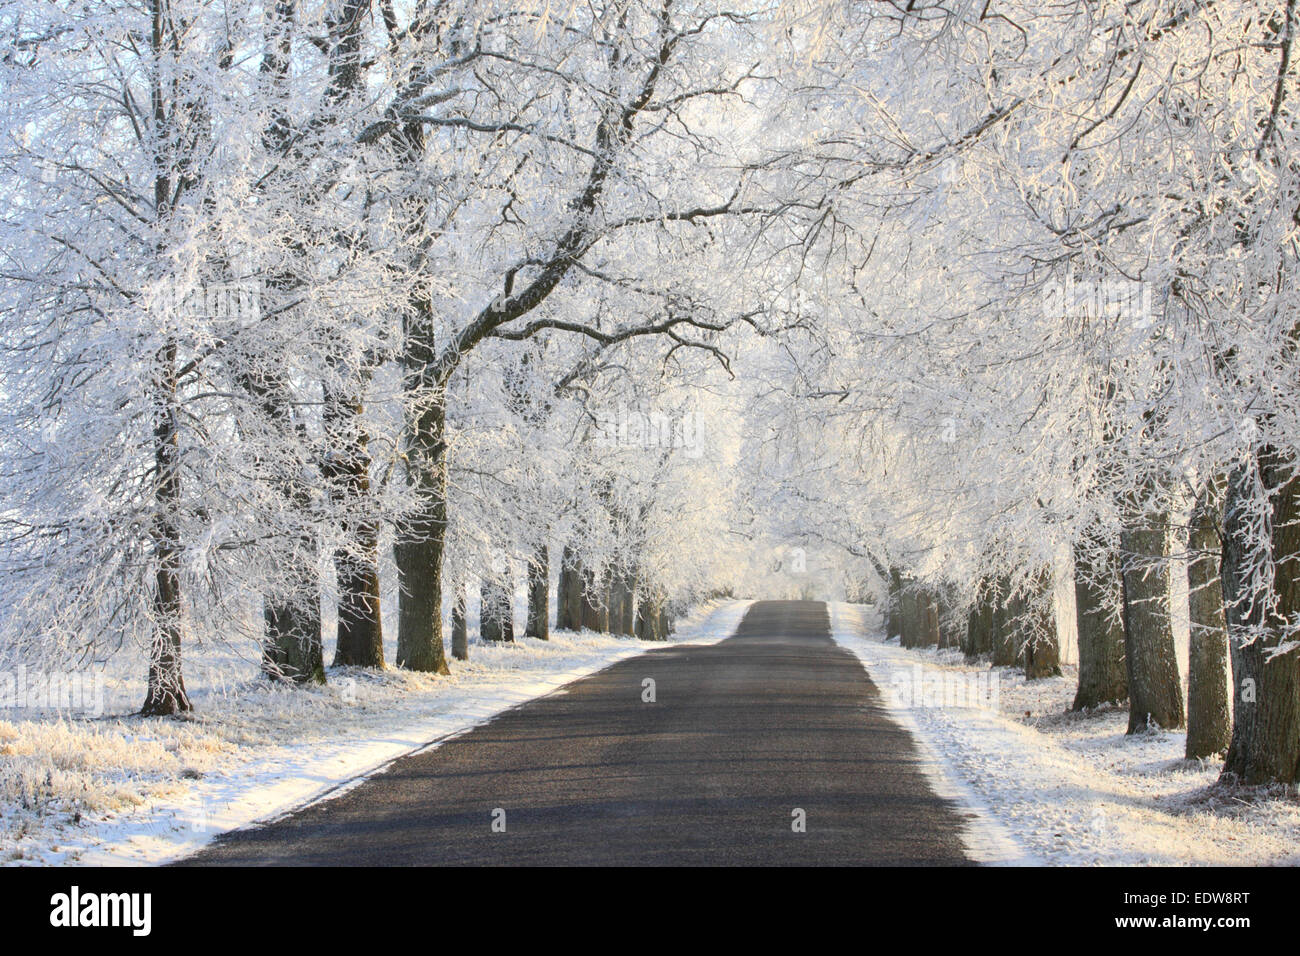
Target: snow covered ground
x=1057 y=788
x=1041 y=785
x=120 y=790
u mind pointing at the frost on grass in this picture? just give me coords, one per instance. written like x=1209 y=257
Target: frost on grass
x=123 y=789
x=58 y=773
x=1075 y=788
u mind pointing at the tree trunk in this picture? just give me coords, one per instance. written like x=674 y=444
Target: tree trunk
x=496 y=619
x=1013 y=629
x=165 y=693
x=651 y=619
x=979 y=625
x=569 y=593
x=614 y=611
x=1265 y=745
x=666 y=624
x=627 y=625
x=292 y=649
x=952 y=629
x=1209 y=713
x=1037 y=627
x=909 y=625
x=360 y=639
x=293 y=646
x=1154 y=687
x=420 y=542
x=1006 y=644
x=419 y=594
x=166 y=687
x=622 y=604
x=595 y=601
x=539 y=596
x=929 y=620
x=460 y=626
x=894 y=623
x=1103 y=675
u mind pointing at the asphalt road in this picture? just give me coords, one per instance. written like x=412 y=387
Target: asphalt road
x=741 y=736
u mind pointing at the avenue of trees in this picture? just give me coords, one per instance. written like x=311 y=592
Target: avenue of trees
x=310 y=307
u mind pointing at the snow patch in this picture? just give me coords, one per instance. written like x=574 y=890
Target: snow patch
x=985 y=838
x=1070 y=789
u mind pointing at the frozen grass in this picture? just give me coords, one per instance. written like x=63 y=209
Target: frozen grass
x=121 y=789
x=1071 y=788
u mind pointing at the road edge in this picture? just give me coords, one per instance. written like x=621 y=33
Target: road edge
x=717 y=624
x=986 y=838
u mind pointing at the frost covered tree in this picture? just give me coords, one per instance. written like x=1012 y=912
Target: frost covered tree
x=647 y=298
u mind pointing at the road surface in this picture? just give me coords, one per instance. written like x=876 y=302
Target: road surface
x=744 y=740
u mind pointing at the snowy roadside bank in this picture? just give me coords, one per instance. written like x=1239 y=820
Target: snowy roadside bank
x=1067 y=789
x=128 y=791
